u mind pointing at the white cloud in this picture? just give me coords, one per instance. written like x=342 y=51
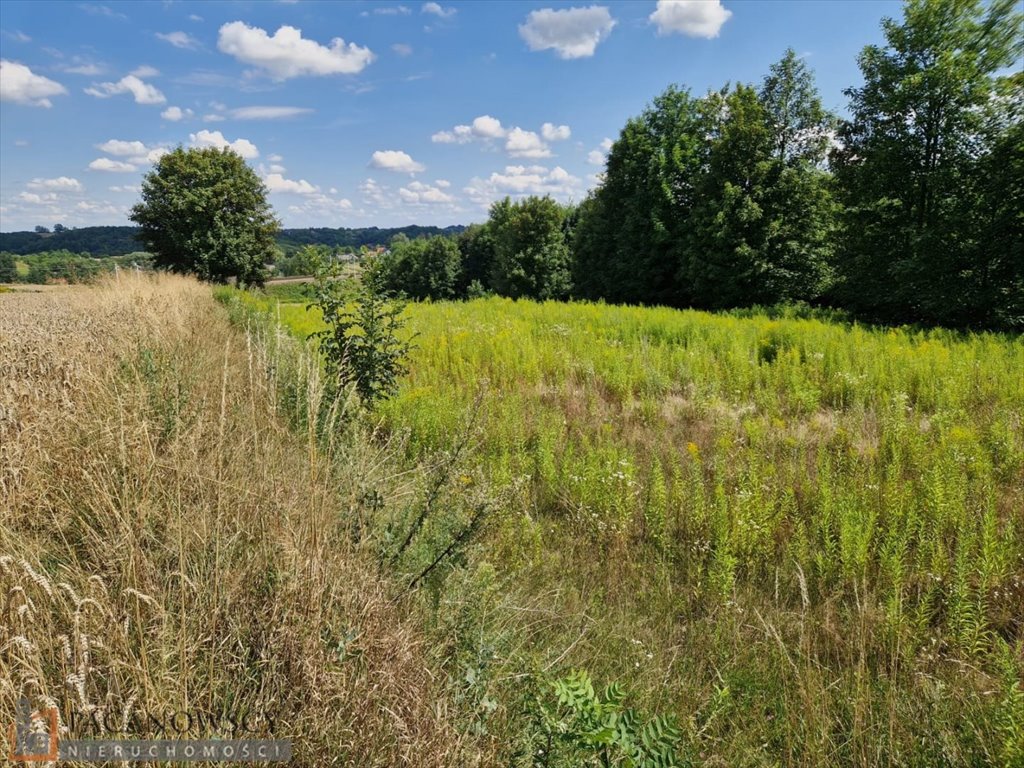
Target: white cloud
x=438 y=10
x=145 y=70
x=487 y=127
x=179 y=39
x=111 y=166
x=600 y=156
x=243 y=147
x=134 y=151
x=60 y=184
x=395 y=160
x=174 y=114
x=144 y=93
x=521 y=181
x=133 y=188
x=402 y=49
x=277 y=183
x=694 y=18
x=552 y=132
x=18 y=35
x=418 y=193
x=213 y=118
x=483 y=127
x=275 y=159
x=461 y=135
x=268 y=113
x=33 y=199
x=102 y=10
x=90 y=70
x=526 y=144
x=287 y=54
x=21 y=85
x=194 y=17
x=443 y=183
x=389 y=10
x=573 y=33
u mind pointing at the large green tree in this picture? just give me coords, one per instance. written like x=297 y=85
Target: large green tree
x=627 y=240
x=914 y=170
x=531 y=256
x=424 y=268
x=714 y=202
x=205 y=212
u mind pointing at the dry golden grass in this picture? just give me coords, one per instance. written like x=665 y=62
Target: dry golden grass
x=167 y=542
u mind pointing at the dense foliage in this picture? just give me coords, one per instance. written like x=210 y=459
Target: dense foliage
x=205 y=212
x=929 y=169
x=65 y=266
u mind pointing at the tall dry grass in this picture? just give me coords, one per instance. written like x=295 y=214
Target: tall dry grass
x=168 y=542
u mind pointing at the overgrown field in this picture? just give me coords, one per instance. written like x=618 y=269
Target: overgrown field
x=169 y=543
x=803 y=539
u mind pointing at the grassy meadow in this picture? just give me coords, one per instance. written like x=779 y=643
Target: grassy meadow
x=804 y=539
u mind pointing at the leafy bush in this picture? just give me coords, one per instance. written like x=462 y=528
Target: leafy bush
x=360 y=344
x=585 y=728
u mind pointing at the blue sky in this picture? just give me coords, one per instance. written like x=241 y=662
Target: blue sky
x=361 y=113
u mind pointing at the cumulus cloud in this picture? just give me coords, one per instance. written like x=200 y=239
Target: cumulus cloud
x=145 y=71
x=693 y=18
x=111 y=166
x=483 y=127
x=205 y=138
x=21 y=85
x=526 y=144
x=395 y=160
x=573 y=33
x=60 y=184
x=521 y=181
x=178 y=39
x=438 y=10
x=174 y=114
x=268 y=113
x=135 y=152
x=418 y=193
x=143 y=92
x=599 y=156
x=34 y=199
x=287 y=53
x=487 y=127
x=552 y=132
x=277 y=183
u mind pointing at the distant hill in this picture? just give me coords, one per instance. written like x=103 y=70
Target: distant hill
x=117 y=241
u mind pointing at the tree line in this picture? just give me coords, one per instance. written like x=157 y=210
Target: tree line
x=910 y=209
x=117 y=241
